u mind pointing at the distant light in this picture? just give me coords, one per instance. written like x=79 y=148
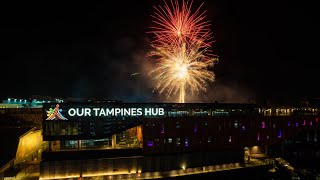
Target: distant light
x=279 y=134
x=317 y=119
x=289 y=123
x=25 y=100
x=9 y=99
x=230 y=138
x=263 y=125
x=297 y=124
x=183 y=167
x=162 y=129
x=150 y=143
x=186 y=142
x=304 y=122
x=310 y=123
x=243 y=128
x=258 y=138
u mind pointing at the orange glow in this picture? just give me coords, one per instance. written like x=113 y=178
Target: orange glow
x=59 y=177
x=28 y=144
x=139 y=134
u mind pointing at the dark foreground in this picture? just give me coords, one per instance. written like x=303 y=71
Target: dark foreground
x=260 y=173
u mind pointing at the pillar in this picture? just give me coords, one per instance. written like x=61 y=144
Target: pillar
x=114 y=140
x=246 y=155
x=266 y=147
x=78 y=144
x=50 y=145
x=2 y=176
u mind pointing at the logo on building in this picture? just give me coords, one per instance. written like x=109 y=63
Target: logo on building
x=55 y=114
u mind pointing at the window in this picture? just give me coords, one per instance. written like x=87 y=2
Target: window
x=177 y=141
x=279 y=134
x=243 y=128
x=162 y=128
x=263 y=125
x=236 y=124
x=186 y=143
x=178 y=125
x=157 y=142
x=149 y=143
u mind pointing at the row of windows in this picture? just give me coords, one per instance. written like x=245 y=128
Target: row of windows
x=221 y=113
x=62 y=129
x=180 y=141
x=185 y=141
x=236 y=124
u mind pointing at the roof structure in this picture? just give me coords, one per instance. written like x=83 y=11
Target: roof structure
x=9 y=142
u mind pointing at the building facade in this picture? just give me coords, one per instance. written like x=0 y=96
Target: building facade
x=150 y=137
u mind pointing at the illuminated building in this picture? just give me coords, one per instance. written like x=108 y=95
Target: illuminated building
x=102 y=139
x=20 y=145
x=34 y=102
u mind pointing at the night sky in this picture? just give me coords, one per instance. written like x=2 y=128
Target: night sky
x=268 y=50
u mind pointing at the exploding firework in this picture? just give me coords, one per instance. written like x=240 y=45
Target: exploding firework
x=176 y=24
x=181 y=46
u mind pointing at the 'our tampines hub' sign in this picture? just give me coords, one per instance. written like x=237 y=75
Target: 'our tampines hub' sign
x=66 y=111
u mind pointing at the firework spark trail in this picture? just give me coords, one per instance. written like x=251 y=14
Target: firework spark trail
x=181 y=46
x=175 y=24
x=134 y=74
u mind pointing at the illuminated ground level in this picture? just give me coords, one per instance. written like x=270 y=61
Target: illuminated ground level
x=131 y=161
x=172 y=173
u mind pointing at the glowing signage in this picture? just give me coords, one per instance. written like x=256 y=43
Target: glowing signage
x=71 y=111
x=115 y=112
x=55 y=114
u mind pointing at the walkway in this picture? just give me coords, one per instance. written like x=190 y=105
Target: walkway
x=173 y=173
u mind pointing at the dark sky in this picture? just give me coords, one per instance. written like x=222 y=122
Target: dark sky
x=267 y=49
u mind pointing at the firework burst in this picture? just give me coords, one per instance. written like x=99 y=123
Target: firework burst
x=181 y=46
x=176 y=24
